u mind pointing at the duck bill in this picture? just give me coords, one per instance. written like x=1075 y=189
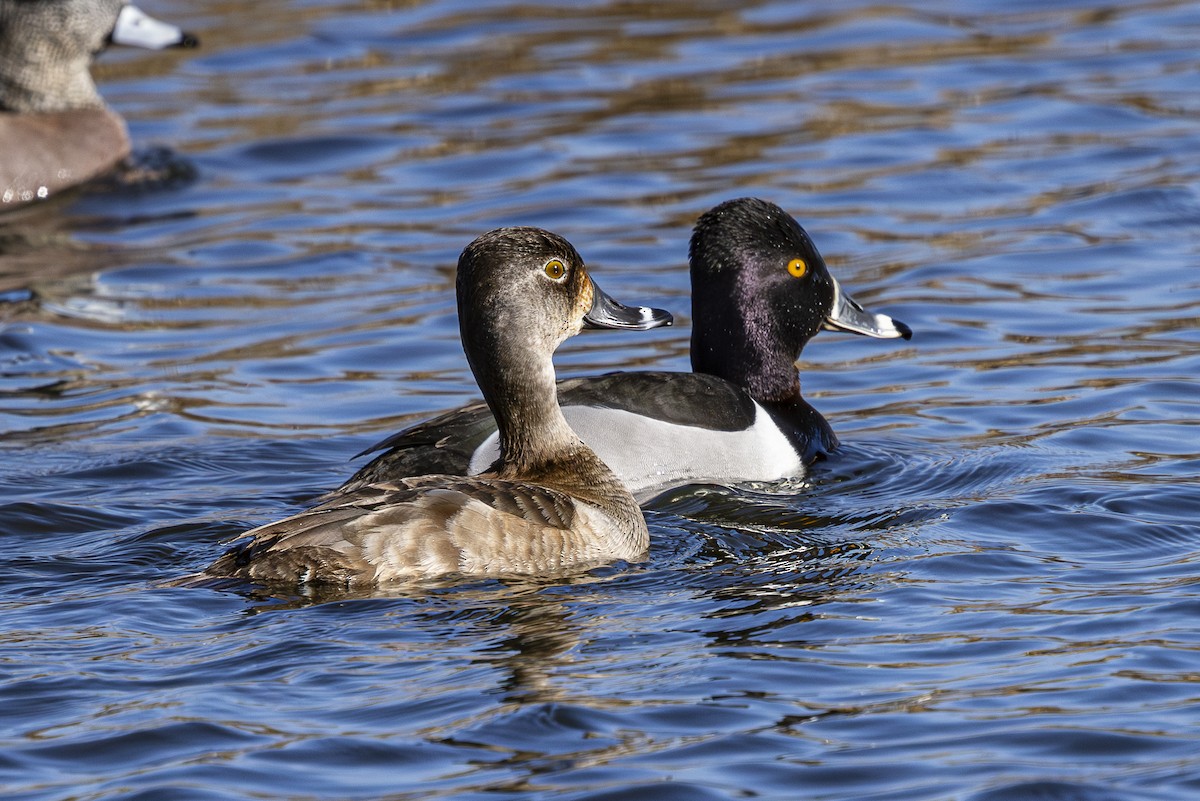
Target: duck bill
x=607 y=313
x=136 y=28
x=849 y=315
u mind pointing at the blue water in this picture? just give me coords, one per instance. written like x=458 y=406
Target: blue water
x=991 y=593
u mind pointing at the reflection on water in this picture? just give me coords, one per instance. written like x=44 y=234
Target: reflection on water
x=989 y=593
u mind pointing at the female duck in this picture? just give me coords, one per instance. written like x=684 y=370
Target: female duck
x=55 y=129
x=760 y=291
x=549 y=503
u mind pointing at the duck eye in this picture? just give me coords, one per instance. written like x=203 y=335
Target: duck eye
x=797 y=267
x=555 y=269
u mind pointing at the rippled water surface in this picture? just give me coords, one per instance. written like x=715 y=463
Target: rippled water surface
x=989 y=594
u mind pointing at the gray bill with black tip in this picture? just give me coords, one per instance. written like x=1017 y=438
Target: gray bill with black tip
x=849 y=315
x=607 y=313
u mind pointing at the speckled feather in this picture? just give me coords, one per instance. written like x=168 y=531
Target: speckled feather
x=426 y=526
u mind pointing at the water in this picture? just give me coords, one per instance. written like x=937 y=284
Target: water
x=990 y=594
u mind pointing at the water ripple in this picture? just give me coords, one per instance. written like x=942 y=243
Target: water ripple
x=987 y=593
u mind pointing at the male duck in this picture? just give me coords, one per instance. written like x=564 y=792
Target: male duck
x=55 y=129
x=760 y=291
x=549 y=502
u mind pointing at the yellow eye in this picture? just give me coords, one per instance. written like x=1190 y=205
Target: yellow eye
x=555 y=269
x=797 y=267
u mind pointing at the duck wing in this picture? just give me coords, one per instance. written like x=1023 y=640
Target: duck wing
x=684 y=399
x=431 y=525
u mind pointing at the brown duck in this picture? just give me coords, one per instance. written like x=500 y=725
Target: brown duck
x=547 y=504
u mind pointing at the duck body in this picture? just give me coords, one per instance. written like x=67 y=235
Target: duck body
x=548 y=502
x=55 y=129
x=437 y=525
x=81 y=145
x=760 y=292
x=670 y=429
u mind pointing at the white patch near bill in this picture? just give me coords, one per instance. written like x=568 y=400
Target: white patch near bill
x=135 y=28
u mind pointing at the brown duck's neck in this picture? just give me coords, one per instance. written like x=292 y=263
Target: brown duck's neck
x=523 y=398
x=533 y=433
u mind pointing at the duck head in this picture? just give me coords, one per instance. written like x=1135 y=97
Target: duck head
x=760 y=291
x=521 y=293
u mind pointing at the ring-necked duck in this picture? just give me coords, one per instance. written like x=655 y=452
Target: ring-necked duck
x=549 y=503
x=56 y=130
x=760 y=291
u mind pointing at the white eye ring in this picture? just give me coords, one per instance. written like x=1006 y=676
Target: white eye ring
x=555 y=270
